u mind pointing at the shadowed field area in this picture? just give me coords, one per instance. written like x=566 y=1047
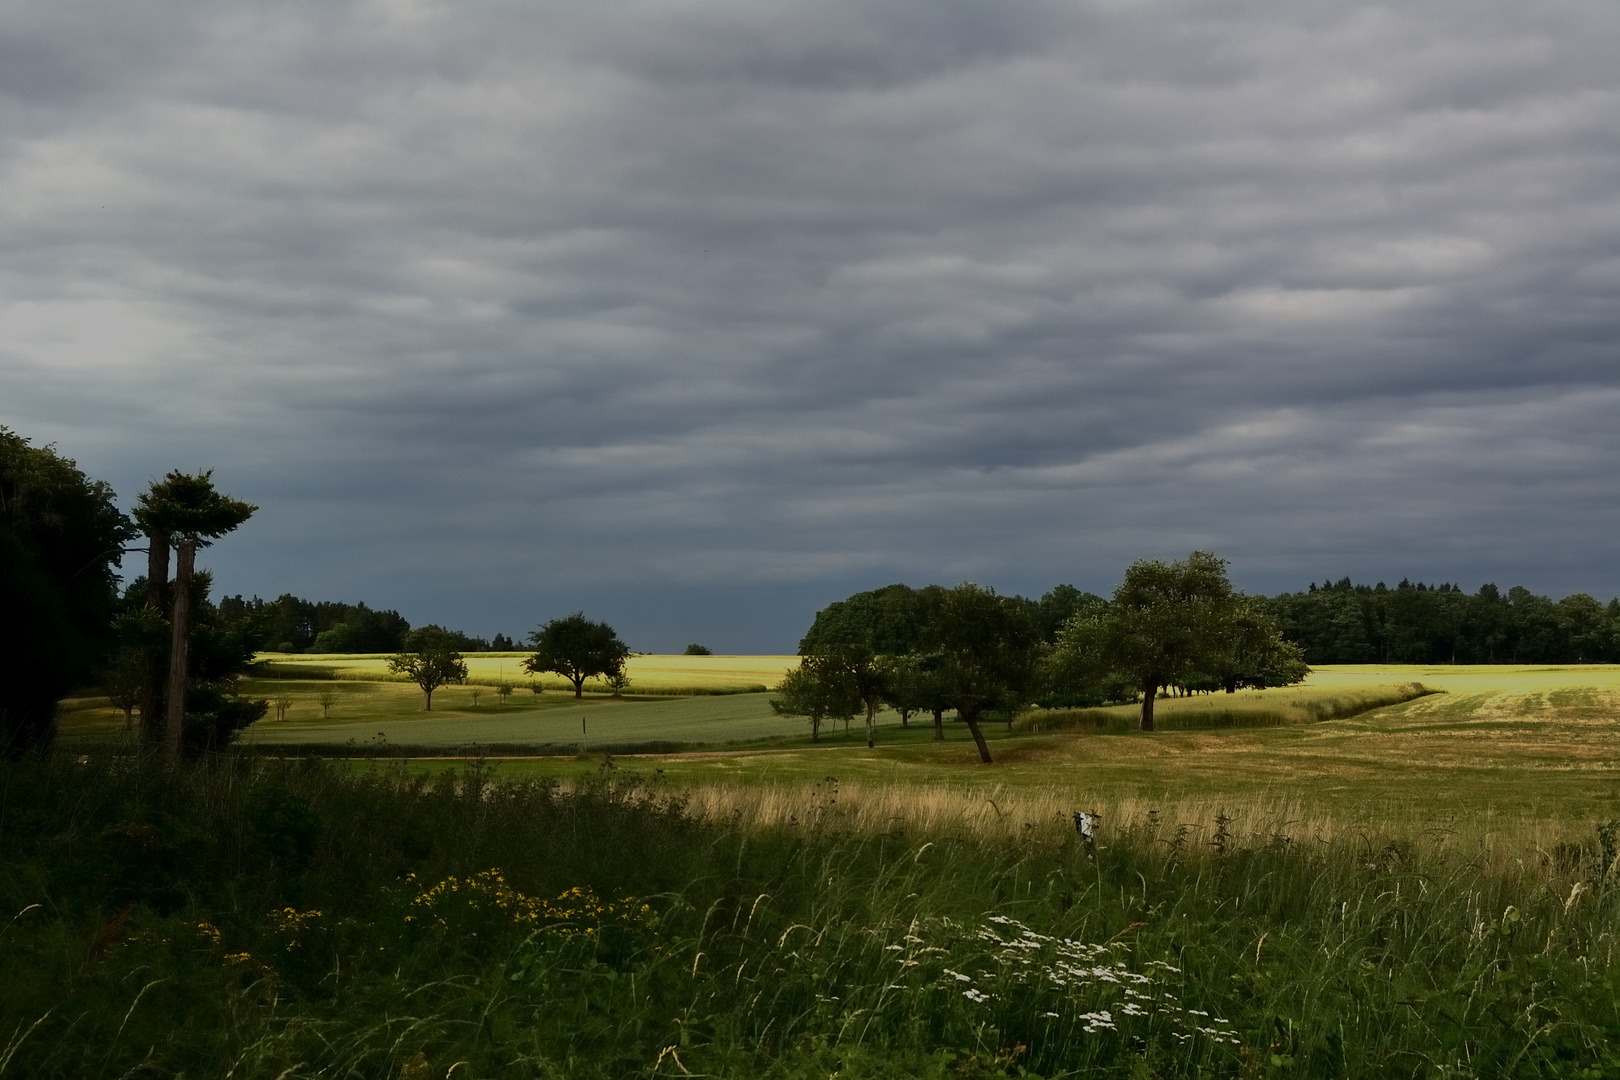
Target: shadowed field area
x=648 y=674
x=1427 y=881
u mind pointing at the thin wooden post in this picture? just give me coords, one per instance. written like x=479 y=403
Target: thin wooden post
x=157 y=605
x=175 y=728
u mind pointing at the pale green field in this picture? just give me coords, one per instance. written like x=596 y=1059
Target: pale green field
x=1526 y=743
x=652 y=674
x=558 y=723
x=1508 y=748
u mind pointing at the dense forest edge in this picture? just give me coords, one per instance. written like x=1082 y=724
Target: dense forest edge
x=1336 y=622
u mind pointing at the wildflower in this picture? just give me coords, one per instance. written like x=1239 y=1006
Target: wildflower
x=1067 y=967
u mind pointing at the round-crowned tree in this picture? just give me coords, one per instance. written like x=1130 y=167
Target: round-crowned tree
x=577 y=649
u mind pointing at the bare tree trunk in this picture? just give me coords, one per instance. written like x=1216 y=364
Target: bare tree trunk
x=175 y=733
x=1150 y=690
x=157 y=606
x=939 y=725
x=871 y=725
x=978 y=736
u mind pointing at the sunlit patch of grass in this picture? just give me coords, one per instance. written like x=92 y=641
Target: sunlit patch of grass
x=1254 y=708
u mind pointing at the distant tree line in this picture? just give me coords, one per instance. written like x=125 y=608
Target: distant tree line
x=1344 y=623
x=292 y=624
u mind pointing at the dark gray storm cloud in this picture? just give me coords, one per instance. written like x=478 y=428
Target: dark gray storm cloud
x=698 y=315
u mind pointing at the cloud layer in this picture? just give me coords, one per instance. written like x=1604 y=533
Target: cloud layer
x=699 y=315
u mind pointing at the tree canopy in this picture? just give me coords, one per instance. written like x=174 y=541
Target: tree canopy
x=577 y=649
x=61 y=537
x=187 y=505
x=1179 y=624
x=819 y=690
x=984 y=650
x=855 y=640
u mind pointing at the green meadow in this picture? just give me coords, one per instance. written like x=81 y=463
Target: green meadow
x=1526 y=752
x=661 y=675
x=1409 y=743
x=1385 y=872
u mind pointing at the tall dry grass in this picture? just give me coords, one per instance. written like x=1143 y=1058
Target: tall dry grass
x=1495 y=842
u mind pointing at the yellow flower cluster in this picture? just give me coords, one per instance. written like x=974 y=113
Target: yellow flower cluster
x=294 y=924
x=577 y=910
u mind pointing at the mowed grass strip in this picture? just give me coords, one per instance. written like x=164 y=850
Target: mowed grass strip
x=648 y=674
x=555 y=721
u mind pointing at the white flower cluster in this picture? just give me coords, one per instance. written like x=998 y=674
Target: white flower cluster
x=1027 y=958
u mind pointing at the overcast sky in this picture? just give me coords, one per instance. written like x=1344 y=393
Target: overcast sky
x=699 y=315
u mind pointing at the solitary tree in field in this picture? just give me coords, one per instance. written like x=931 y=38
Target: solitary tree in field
x=122 y=681
x=1167 y=623
x=327 y=699
x=577 y=649
x=819 y=690
x=430 y=660
x=698 y=650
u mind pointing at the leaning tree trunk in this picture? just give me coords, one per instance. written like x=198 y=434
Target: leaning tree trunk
x=175 y=728
x=972 y=721
x=1150 y=690
x=152 y=669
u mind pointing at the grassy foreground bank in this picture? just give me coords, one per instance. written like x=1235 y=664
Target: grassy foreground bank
x=281 y=920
